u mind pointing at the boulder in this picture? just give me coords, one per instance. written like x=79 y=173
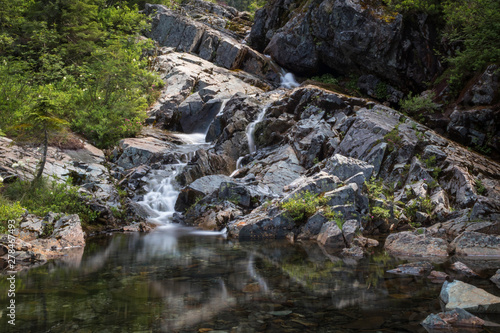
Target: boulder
x=198 y=189
x=68 y=231
x=347 y=37
x=345 y=167
x=451 y=319
x=349 y=229
x=458 y=294
x=413 y=268
x=416 y=244
x=462 y=268
x=313 y=226
x=472 y=243
x=331 y=236
x=496 y=278
x=318 y=183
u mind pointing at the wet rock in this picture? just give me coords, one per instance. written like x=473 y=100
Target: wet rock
x=212 y=215
x=354 y=251
x=472 y=243
x=416 y=244
x=450 y=319
x=198 y=189
x=496 y=278
x=364 y=242
x=458 y=294
x=437 y=277
x=139 y=151
x=413 y=268
x=463 y=269
x=235 y=193
x=264 y=227
x=331 y=236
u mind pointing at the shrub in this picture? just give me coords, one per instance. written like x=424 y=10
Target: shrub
x=302 y=206
x=480 y=187
x=51 y=197
x=9 y=211
x=326 y=78
x=414 y=105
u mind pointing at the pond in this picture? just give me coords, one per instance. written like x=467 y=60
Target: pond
x=180 y=280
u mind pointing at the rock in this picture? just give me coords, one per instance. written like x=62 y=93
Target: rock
x=437 y=277
x=364 y=242
x=68 y=231
x=344 y=195
x=413 y=268
x=198 y=189
x=349 y=229
x=458 y=294
x=450 y=319
x=415 y=244
x=472 y=243
x=347 y=37
x=463 y=269
x=235 y=193
x=320 y=182
x=212 y=215
x=484 y=91
x=496 y=278
x=331 y=236
x=354 y=251
x=346 y=167
x=313 y=226
x=260 y=226
x=139 y=151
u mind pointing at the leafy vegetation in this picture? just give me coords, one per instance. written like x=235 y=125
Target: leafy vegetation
x=304 y=205
x=84 y=57
x=415 y=105
x=481 y=190
x=50 y=196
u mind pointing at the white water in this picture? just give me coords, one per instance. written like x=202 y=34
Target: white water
x=193 y=138
x=251 y=130
x=159 y=202
x=288 y=81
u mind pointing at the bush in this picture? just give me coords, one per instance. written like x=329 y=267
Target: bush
x=9 y=211
x=302 y=206
x=415 y=105
x=50 y=197
x=326 y=78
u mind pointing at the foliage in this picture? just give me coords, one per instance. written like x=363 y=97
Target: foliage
x=415 y=105
x=332 y=215
x=475 y=25
x=393 y=138
x=326 y=78
x=50 y=197
x=82 y=55
x=9 y=211
x=302 y=206
x=406 y=6
x=481 y=190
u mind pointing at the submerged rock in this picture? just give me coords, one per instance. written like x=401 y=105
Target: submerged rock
x=413 y=268
x=454 y=318
x=458 y=294
x=463 y=269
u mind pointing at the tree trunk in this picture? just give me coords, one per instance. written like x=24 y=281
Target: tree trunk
x=44 y=157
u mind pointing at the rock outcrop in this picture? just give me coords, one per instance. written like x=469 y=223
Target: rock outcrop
x=460 y=295
x=348 y=37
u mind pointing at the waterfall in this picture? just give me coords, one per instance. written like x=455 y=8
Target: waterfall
x=251 y=130
x=288 y=81
x=162 y=192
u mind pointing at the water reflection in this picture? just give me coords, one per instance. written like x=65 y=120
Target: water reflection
x=174 y=280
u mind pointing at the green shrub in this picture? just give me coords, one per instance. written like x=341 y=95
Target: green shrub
x=326 y=78
x=393 y=139
x=415 y=105
x=481 y=190
x=302 y=206
x=9 y=211
x=380 y=212
x=51 y=197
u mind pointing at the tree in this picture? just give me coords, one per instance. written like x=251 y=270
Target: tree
x=42 y=120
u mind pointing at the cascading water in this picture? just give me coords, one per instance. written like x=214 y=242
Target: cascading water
x=162 y=188
x=251 y=130
x=288 y=81
x=162 y=193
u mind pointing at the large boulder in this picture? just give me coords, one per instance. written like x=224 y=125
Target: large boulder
x=472 y=243
x=450 y=319
x=347 y=37
x=416 y=244
x=458 y=294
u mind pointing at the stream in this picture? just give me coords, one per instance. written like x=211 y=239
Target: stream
x=179 y=279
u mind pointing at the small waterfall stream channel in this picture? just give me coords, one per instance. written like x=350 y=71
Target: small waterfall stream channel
x=179 y=279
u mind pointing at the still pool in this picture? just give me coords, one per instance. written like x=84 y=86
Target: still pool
x=179 y=280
